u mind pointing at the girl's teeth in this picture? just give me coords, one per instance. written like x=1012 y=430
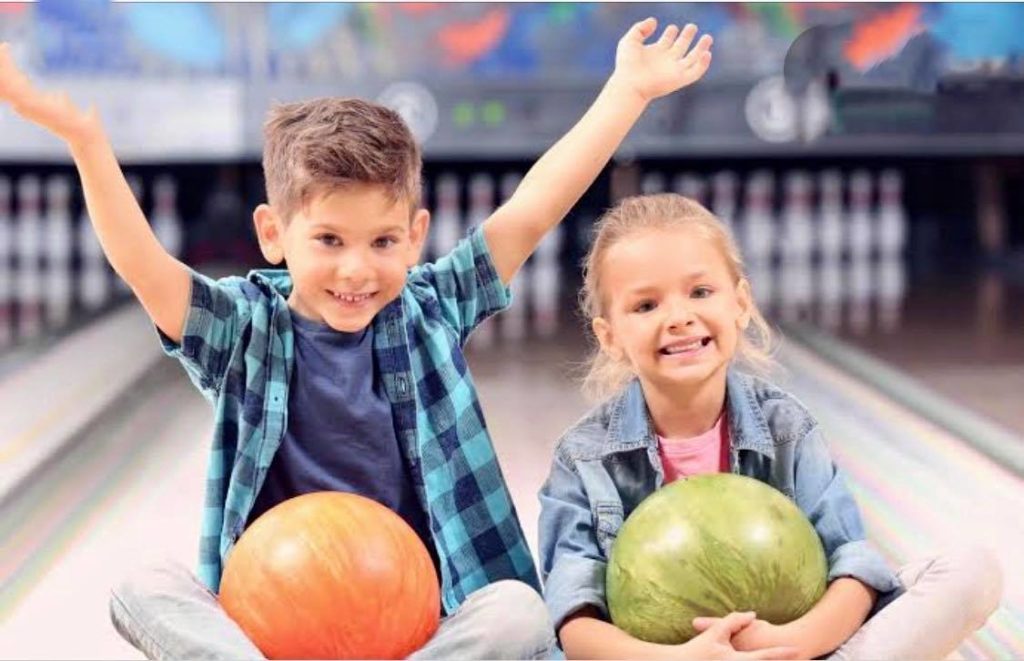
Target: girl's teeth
x=696 y=344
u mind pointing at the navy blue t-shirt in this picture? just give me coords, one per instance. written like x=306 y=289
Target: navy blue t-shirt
x=340 y=434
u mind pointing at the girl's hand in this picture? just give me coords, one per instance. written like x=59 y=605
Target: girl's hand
x=718 y=637
x=52 y=110
x=664 y=66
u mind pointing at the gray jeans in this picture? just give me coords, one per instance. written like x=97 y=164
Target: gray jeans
x=948 y=598
x=166 y=613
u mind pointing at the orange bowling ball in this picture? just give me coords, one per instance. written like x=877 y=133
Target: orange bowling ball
x=332 y=575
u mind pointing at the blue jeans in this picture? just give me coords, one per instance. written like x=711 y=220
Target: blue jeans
x=167 y=613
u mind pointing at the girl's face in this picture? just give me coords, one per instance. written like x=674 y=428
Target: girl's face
x=672 y=309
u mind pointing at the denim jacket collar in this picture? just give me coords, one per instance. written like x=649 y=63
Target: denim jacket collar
x=629 y=426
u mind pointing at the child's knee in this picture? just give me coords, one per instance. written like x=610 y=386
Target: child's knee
x=147 y=584
x=522 y=618
x=977 y=580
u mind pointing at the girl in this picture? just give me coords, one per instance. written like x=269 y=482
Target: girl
x=674 y=319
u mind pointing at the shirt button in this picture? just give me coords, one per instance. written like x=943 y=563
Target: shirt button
x=401 y=385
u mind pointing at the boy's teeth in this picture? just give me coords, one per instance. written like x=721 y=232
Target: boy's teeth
x=351 y=298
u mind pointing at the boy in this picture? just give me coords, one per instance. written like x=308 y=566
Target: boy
x=345 y=372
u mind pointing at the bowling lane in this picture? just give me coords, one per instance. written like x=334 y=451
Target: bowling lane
x=960 y=334
x=919 y=487
x=129 y=490
x=132 y=490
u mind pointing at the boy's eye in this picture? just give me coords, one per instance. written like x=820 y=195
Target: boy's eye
x=701 y=292
x=644 y=306
x=329 y=240
x=384 y=242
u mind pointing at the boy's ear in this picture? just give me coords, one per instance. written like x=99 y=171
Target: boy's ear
x=745 y=298
x=269 y=232
x=603 y=332
x=418 y=228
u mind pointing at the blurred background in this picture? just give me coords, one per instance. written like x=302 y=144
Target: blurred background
x=868 y=157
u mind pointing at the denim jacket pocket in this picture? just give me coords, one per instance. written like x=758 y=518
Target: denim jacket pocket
x=608 y=517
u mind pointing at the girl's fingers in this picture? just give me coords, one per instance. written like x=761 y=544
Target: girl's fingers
x=668 y=37
x=683 y=41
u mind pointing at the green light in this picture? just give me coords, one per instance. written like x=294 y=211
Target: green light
x=493 y=113
x=463 y=114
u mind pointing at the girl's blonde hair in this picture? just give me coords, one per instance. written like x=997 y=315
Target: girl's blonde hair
x=604 y=375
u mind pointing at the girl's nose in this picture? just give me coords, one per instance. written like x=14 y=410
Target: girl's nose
x=680 y=315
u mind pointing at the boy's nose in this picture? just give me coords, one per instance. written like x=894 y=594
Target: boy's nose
x=352 y=267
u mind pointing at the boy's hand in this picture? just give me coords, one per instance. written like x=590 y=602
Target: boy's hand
x=664 y=66
x=51 y=110
x=718 y=637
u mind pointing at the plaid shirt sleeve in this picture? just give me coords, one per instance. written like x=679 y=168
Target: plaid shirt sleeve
x=466 y=283
x=212 y=326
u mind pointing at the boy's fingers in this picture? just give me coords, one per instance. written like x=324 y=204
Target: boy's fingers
x=640 y=31
x=683 y=41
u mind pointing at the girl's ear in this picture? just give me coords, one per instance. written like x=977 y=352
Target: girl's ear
x=745 y=298
x=603 y=332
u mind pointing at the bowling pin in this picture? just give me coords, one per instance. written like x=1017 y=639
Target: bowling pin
x=860 y=237
x=59 y=244
x=547 y=284
x=28 y=280
x=724 y=191
x=796 y=280
x=166 y=222
x=691 y=185
x=6 y=272
x=892 y=216
x=830 y=235
x=652 y=183
x=757 y=236
x=447 y=216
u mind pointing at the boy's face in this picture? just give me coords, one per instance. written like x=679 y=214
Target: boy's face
x=673 y=311
x=347 y=252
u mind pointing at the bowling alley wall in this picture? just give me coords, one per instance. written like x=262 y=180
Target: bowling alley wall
x=851 y=148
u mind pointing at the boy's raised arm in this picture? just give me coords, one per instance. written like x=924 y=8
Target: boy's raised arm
x=160 y=281
x=555 y=183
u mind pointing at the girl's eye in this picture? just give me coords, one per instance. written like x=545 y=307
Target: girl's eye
x=384 y=242
x=644 y=306
x=701 y=292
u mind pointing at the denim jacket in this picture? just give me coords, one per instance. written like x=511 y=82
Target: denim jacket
x=608 y=462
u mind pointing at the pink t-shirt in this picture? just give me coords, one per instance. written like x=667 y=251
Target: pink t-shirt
x=707 y=453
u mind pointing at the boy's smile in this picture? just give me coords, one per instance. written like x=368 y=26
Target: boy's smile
x=347 y=252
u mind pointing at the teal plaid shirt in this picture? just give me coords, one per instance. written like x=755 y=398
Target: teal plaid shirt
x=238 y=349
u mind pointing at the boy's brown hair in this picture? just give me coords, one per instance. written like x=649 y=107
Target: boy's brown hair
x=314 y=147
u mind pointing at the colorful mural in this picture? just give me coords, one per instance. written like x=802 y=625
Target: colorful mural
x=430 y=41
